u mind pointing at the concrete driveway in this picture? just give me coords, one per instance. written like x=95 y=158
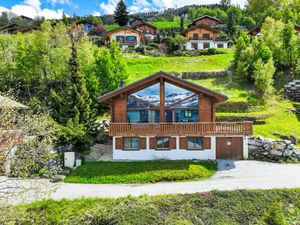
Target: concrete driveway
x=231 y=175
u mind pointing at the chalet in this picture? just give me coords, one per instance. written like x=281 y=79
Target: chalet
x=166 y=117
x=147 y=29
x=203 y=33
x=126 y=36
x=256 y=31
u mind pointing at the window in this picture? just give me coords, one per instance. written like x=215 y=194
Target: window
x=163 y=143
x=120 y=38
x=131 y=38
x=174 y=94
x=220 y=46
x=206 y=45
x=142 y=116
x=195 y=36
x=145 y=98
x=195 y=46
x=195 y=143
x=131 y=143
x=206 y=36
x=186 y=116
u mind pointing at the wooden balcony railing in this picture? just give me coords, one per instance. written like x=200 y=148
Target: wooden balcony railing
x=163 y=129
x=200 y=38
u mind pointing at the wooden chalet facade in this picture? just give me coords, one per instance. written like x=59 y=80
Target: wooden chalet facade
x=147 y=29
x=166 y=117
x=203 y=34
x=126 y=36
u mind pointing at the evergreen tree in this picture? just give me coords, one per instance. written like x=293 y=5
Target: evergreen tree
x=121 y=14
x=73 y=106
x=181 y=23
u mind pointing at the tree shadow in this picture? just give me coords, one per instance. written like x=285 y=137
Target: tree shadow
x=297 y=108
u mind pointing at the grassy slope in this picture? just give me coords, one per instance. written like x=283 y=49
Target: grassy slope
x=214 y=208
x=144 y=66
x=141 y=172
x=279 y=119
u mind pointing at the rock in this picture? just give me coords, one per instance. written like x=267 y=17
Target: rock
x=265 y=153
x=296 y=152
x=280 y=146
x=275 y=152
x=293 y=139
x=58 y=178
x=69 y=147
x=254 y=148
x=287 y=152
x=287 y=142
x=260 y=138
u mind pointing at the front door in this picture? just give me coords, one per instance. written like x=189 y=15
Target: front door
x=229 y=147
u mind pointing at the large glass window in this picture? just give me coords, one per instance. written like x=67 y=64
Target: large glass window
x=131 y=143
x=174 y=94
x=149 y=96
x=195 y=143
x=163 y=143
x=186 y=116
x=142 y=116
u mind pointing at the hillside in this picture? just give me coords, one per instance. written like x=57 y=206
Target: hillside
x=271 y=115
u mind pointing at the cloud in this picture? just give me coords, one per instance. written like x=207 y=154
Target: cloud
x=3 y=9
x=32 y=9
x=140 y=6
x=96 y=13
x=109 y=7
x=62 y=2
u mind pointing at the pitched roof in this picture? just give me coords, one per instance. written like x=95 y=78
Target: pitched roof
x=6 y=103
x=206 y=16
x=123 y=28
x=144 y=23
x=169 y=77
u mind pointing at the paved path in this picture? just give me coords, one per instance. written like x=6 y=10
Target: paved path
x=231 y=175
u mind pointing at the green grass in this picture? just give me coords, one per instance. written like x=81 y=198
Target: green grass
x=168 y=24
x=139 y=68
x=141 y=172
x=111 y=27
x=213 y=208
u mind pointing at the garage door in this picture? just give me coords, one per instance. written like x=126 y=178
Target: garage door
x=229 y=147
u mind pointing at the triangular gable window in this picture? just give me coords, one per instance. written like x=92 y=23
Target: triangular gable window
x=146 y=98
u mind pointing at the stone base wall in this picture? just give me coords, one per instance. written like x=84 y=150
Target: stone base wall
x=275 y=150
x=100 y=152
x=292 y=90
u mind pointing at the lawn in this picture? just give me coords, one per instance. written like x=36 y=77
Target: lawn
x=213 y=208
x=141 y=172
x=144 y=66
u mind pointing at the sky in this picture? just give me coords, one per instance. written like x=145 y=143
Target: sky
x=52 y=9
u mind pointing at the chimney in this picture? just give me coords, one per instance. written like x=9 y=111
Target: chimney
x=121 y=83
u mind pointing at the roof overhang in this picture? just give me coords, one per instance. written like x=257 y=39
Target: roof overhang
x=140 y=84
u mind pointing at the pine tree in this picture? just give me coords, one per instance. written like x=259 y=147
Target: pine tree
x=121 y=14
x=74 y=106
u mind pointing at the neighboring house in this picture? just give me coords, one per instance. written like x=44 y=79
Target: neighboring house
x=256 y=31
x=126 y=36
x=147 y=29
x=166 y=117
x=203 y=33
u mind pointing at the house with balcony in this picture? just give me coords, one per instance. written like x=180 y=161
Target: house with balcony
x=203 y=33
x=126 y=36
x=147 y=29
x=166 y=117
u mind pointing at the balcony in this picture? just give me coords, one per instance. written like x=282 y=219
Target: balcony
x=201 y=38
x=126 y=42
x=182 y=129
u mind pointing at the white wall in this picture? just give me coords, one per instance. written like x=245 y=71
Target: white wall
x=173 y=154
x=188 y=45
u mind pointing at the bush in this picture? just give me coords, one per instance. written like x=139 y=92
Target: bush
x=275 y=216
x=241 y=106
x=210 y=51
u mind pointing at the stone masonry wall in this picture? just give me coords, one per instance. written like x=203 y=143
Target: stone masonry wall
x=275 y=150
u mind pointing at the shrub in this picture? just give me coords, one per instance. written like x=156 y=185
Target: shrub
x=275 y=216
